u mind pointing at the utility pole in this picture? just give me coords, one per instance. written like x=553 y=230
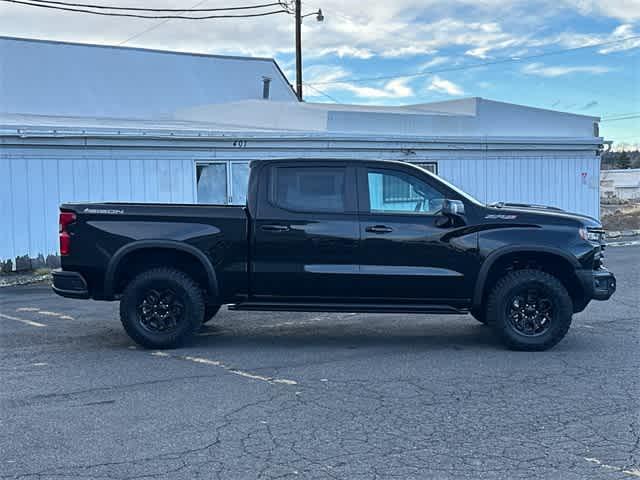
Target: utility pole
x=298 y=14
x=299 y=49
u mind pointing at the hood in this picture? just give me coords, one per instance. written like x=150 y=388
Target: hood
x=505 y=208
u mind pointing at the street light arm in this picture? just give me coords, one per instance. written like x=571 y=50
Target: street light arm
x=318 y=14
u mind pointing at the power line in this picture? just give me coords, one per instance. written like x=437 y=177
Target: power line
x=134 y=15
x=630 y=117
x=611 y=115
x=142 y=9
x=286 y=6
x=475 y=65
x=159 y=24
x=615 y=116
x=324 y=94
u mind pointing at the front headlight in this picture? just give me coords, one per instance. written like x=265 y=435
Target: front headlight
x=591 y=235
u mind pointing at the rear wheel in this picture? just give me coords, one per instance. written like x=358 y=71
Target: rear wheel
x=210 y=311
x=529 y=310
x=162 y=308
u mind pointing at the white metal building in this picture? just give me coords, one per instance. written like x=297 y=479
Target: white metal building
x=195 y=146
x=620 y=184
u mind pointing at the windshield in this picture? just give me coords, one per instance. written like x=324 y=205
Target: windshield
x=462 y=193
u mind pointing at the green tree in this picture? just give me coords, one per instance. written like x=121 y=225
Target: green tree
x=623 y=161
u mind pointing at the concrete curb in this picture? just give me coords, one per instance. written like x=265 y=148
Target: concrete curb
x=622 y=233
x=629 y=243
x=12 y=281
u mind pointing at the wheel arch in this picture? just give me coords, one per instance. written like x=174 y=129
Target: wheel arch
x=114 y=267
x=494 y=263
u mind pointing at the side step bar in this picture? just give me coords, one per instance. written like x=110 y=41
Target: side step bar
x=348 y=307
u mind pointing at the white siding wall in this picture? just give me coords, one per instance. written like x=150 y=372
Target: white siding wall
x=562 y=180
x=37 y=180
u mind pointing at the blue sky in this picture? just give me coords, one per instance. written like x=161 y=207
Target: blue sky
x=425 y=38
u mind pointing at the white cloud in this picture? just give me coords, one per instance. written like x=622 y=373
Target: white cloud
x=339 y=78
x=344 y=51
x=434 y=62
x=441 y=85
x=622 y=32
x=397 y=29
x=385 y=29
x=558 y=71
x=396 y=88
x=625 y=10
x=480 y=52
x=615 y=40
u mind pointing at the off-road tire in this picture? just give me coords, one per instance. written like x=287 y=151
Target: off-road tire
x=502 y=293
x=184 y=287
x=210 y=311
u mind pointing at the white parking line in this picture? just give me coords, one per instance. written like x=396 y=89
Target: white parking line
x=208 y=334
x=633 y=472
x=46 y=313
x=22 y=320
x=235 y=371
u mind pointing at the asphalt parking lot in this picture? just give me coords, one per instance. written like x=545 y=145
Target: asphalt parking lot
x=290 y=395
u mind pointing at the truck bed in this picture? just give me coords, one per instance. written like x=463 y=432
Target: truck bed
x=103 y=232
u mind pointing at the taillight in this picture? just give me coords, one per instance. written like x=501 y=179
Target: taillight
x=66 y=218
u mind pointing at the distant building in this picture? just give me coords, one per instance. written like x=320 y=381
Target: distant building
x=620 y=184
x=94 y=123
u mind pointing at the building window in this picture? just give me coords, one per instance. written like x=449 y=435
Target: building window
x=394 y=190
x=211 y=182
x=316 y=189
x=222 y=183
x=429 y=166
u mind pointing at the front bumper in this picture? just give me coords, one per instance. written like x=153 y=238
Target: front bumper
x=598 y=284
x=69 y=284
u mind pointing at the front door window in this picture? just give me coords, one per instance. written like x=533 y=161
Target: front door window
x=394 y=192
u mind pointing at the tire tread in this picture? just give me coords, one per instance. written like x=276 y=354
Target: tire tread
x=194 y=291
x=509 y=281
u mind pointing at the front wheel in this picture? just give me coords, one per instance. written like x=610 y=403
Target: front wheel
x=529 y=310
x=162 y=308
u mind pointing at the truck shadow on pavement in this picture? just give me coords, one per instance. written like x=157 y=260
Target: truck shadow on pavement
x=428 y=337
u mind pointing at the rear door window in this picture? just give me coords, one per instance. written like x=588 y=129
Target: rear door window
x=309 y=189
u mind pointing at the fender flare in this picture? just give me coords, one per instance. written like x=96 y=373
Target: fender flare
x=496 y=255
x=122 y=252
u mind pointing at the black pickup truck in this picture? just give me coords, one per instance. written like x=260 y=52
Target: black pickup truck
x=335 y=236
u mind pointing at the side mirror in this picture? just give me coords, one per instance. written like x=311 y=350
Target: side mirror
x=452 y=208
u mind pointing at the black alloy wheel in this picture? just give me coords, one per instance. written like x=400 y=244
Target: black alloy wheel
x=530 y=312
x=160 y=311
x=162 y=308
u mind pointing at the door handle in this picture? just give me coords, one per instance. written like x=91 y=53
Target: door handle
x=378 y=229
x=275 y=228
